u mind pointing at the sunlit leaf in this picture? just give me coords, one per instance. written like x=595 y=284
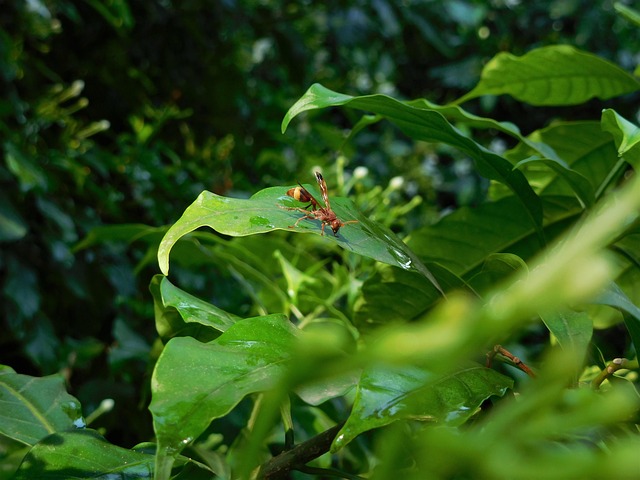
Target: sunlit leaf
x=625 y=134
x=553 y=75
x=262 y=213
x=170 y=322
x=428 y=125
x=248 y=357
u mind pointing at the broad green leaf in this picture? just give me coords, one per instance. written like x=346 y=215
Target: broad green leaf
x=33 y=408
x=582 y=146
x=573 y=330
x=463 y=240
x=387 y=394
x=460 y=243
x=194 y=310
x=459 y=115
x=625 y=134
x=495 y=268
x=169 y=321
x=554 y=75
x=83 y=454
x=248 y=357
x=430 y=126
x=577 y=182
x=262 y=213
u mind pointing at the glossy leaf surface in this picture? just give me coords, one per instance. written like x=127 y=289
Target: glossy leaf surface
x=386 y=394
x=430 y=126
x=261 y=213
x=33 y=408
x=554 y=75
x=83 y=454
x=625 y=134
x=192 y=309
x=249 y=357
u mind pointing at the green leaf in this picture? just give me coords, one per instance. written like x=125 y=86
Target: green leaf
x=393 y=295
x=460 y=244
x=625 y=134
x=430 y=126
x=33 y=408
x=495 y=268
x=262 y=213
x=573 y=330
x=582 y=146
x=83 y=454
x=628 y=13
x=387 y=394
x=613 y=296
x=249 y=357
x=554 y=75
x=169 y=322
x=194 y=310
x=461 y=116
x=577 y=182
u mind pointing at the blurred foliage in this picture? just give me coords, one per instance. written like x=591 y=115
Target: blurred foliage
x=123 y=112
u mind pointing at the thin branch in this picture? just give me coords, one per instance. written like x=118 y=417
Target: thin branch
x=515 y=361
x=615 y=365
x=295 y=459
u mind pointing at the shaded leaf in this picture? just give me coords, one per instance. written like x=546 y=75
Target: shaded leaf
x=12 y=225
x=33 y=408
x=456 y=248
x=625 y=134
x=387 y=394
x=393 y=295
x=578 y=183
x=613 y=296
x=460 y=115
x=554 y=75
x=582 y=146
x=83 y=454
x=573 y=330
x=120 y=233
x=495 y=268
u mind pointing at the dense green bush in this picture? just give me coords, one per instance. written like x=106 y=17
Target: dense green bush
x=362 y=349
